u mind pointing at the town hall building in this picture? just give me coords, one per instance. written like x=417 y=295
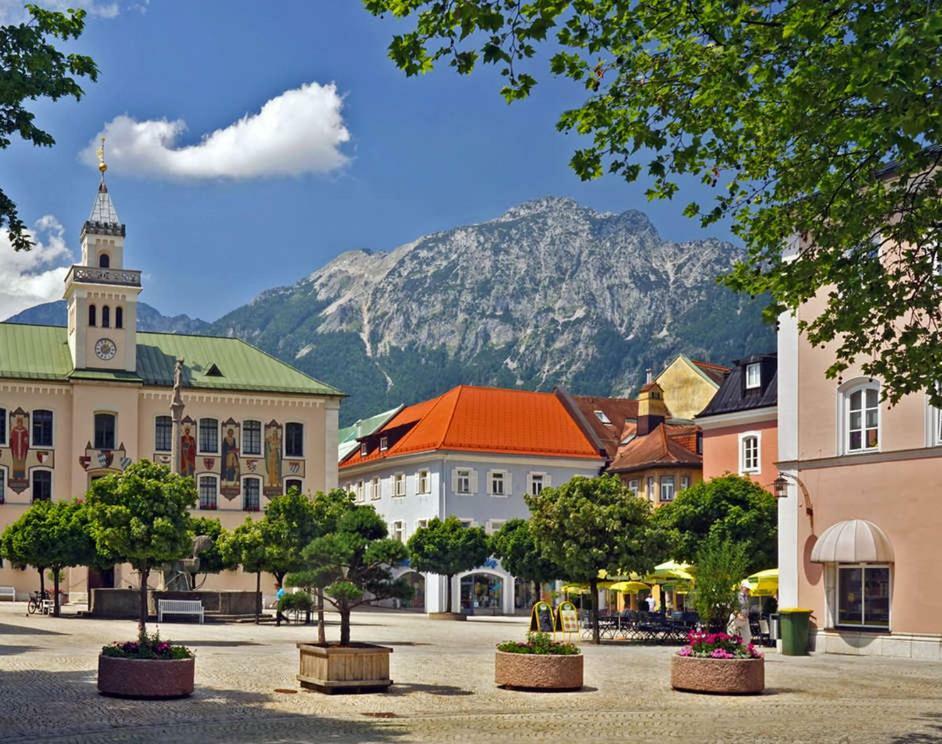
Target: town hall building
x=86 y=400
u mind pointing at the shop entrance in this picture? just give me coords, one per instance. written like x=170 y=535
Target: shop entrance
x=482 y=594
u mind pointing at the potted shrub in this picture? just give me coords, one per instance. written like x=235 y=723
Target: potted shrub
x=142 y=515
x=718 y=663
x=146 y=668
x=353 y=561
x=540 y=665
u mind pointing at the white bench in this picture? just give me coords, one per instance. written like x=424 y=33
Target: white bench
x=179 y=607
x=8 y=591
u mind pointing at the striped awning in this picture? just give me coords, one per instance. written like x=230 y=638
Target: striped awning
x=853 y=541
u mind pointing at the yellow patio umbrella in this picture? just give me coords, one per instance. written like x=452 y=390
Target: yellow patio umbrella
x=763 y=583
x=584 y=588
x=670 y=572
x=629 y=587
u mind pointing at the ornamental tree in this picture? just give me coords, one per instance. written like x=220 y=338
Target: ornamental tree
x=245 y=546
x=590 y=525
x=358 y=558
x=142 y=515
x=516 y=547
x=33 y=68
x=785 y=112
x=288 y=526
x=446 y=547
x=721 y=565
x=53 y=535
x=729 y=508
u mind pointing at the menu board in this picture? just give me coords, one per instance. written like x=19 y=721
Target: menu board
x=542 y=618
x=568 y=618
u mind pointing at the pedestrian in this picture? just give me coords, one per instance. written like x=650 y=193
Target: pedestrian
x=279 y=593
x=650 y=602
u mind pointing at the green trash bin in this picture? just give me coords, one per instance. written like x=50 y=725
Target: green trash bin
x=793 y=627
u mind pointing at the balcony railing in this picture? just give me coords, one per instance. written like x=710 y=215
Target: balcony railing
x=126 y=277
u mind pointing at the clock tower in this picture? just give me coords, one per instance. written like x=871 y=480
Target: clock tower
x=102 y=294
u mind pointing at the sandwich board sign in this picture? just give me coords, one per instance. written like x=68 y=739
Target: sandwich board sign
x=568 y=618
x=542 y=618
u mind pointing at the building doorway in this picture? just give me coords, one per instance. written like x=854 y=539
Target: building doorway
x=482 y=594
x=100 y=578
x=417 y=582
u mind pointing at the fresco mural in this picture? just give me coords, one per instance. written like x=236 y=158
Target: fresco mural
x=187 y=447
x=230 y=471
x=19 y=450
x=272 y=459
x=95 y=460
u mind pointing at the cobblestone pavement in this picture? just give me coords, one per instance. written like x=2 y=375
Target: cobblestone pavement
x=246 y=691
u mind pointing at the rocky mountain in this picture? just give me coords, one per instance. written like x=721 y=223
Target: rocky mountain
x=148 y=318
x=548 y=293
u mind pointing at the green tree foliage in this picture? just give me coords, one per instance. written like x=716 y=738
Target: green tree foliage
x=245 y=546
x=446 y=547
x=31 y=67
x=212 y=560
x=53 y=535
x=289 y=525
x=517 y=549
x=721 y=565
x=731 y=508
x=785 y=110
x=588 y=525
x=142 y=516
x=358 y=557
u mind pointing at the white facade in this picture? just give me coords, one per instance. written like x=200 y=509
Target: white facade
x=482 y=489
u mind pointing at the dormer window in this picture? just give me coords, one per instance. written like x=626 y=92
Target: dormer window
x=383 y=444
x=213 y=371
x=364 y=449
x=753 y=376
x=600 y=415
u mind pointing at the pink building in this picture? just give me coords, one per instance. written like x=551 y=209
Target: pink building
x=860 y=507
x=740 y=424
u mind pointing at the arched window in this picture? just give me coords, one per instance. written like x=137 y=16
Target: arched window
x=106 y=317
x=104 y=261
x=104 y=431
x=92 y=316
x=861 y=417
x=119 y=317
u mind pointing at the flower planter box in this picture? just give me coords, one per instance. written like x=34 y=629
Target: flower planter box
x=447 y=616
x=538 y=672
x=331 y=669
x=146 y=679
x=718 y=676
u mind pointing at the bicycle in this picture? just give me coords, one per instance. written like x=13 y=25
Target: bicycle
x=35 y=603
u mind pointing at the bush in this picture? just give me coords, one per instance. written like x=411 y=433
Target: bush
x=300 y=601
x=147 y=647
x=718 y=646
x=540 y=644
x=721 y=565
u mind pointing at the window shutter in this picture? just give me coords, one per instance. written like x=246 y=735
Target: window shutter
x=474 y=481
x=454 y=480
x=489 y=483
x=508 y=484
x=547 y=480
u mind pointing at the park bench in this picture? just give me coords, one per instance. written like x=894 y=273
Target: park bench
x=179 y=607
x=8 y=591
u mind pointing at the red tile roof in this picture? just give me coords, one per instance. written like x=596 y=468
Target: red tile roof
x=716 y=372
x=663 y=446
x=482 y=419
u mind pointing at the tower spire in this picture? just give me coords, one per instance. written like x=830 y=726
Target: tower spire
x=102 y=166
x=104 y=217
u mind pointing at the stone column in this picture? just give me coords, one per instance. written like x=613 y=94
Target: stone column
x=176 y=415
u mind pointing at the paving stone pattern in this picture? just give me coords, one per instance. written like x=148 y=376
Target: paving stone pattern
x=444 y=691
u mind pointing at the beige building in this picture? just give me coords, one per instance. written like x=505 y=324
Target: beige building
x=80 y=402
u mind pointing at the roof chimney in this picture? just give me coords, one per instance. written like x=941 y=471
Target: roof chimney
x=651 y=408
x=648 y=376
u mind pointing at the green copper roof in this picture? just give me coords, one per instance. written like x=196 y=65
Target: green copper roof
x=347 y=437
x=42 y=353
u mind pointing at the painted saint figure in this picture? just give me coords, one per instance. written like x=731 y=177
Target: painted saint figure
x=187 y=452
x=230 y=460
x=272 y=458
x=19 y=448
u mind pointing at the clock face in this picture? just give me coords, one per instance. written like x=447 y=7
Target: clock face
x=105 y=349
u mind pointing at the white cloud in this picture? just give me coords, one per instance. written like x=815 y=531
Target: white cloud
x=14 y=11
x=29 y=278
x=299 y=131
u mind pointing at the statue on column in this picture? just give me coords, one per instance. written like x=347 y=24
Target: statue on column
x=176 y=414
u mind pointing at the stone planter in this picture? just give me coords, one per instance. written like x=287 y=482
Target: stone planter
x=538 y=673
x=447 y=616
x=718 y=676
x=147 y=679
x=360 y=667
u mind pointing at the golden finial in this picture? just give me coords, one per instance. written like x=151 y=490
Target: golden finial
x=101 y=157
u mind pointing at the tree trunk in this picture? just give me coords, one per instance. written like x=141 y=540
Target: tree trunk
x=344 y=626
x=536 y=592
x=321 y=630
x=594 y=588
x=448 y=607
x=42 y=581
x=55 y=592
x=142 y=620
x=258 y=595
x=279 y=582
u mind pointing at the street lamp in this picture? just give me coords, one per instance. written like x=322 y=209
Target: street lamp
x=781 y=487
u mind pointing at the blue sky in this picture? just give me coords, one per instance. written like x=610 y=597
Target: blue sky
x=397 y=157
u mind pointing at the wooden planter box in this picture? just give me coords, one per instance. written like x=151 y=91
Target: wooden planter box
x=360 y=667
x=447 y=616
x=539 y=673
x=718 y=676
x=148 y=679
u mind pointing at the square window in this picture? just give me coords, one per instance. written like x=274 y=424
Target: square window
x=399 y=485
x=398 y=531
x=863 y=595
x=463 y=478
x=634 y=486
x=424 y=485
x=375 y=493
x=383 y=444
x=537 y=482
x=667 y=488
x=497 y=484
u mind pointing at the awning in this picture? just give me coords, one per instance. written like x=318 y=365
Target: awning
x=853 y=541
